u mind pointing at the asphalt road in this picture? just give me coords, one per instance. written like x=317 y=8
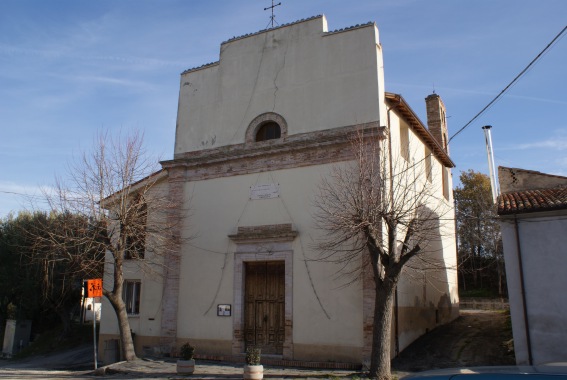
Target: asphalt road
x=476 y=338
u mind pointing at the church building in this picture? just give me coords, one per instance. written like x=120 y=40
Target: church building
x=257 y=131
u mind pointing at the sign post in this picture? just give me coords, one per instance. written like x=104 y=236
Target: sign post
x=94 y=290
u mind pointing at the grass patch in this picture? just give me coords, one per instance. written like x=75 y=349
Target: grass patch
x=51 y=341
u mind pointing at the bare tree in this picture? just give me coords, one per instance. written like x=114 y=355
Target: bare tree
x=115 y=188
x=378 y=211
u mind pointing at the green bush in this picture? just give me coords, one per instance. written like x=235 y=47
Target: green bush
x=187 y=351
x=253 y=355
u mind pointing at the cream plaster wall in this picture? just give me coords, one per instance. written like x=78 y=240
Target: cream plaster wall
x=148 y=322
x=337 y=320
x=542 y=241
x=426 y=298
x=315 y=80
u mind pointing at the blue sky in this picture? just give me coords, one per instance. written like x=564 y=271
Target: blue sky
x=69 y=68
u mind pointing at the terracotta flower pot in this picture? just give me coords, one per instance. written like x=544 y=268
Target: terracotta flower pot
x=185 y=367
x=254 y=372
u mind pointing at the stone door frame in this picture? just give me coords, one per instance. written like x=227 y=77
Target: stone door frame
x=267 y=243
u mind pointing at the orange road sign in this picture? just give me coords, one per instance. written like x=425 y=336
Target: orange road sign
x=94 y=288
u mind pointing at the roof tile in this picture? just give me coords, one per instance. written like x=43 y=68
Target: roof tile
x=518 y=202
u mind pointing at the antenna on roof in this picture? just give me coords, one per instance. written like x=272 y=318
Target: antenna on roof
x=272 y=17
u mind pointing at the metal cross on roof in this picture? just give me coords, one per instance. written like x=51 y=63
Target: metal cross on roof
x=272 y=17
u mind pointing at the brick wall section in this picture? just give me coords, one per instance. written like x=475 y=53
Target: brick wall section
x=368 y=295
x=172 y=264
x=436 y=120
x=271 y=232
x=314 y=148
x=268 y=229
x=514 y=179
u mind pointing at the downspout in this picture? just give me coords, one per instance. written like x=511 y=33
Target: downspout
x=523 y=289
x=396 y=304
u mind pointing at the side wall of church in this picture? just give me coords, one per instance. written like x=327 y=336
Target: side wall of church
x=315 y=79
x=426 y=298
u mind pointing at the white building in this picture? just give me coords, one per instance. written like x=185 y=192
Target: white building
x=256 y=132
x=533 y=220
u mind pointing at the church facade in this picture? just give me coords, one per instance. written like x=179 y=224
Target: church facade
x=256 y=133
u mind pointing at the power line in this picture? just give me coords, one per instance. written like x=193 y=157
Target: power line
x=22 y=194
x=511 y=83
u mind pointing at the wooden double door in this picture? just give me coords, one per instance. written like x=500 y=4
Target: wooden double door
x=264 y=306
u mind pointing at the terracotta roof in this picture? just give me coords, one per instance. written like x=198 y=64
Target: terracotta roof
x=400 y=104
x=519 y=202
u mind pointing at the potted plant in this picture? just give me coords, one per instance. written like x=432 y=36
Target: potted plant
x=253 y=369
x=186 y=365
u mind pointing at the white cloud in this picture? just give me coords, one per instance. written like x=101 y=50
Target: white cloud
x=110 y=80
x=558 y=143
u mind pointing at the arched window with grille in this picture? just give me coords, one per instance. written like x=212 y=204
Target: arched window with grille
x=265 y=127
x=268 y=131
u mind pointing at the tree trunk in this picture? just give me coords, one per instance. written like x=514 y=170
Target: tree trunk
x=500 y=275
x=128 y=352
x=381 y=333
x=473 y=267
x=464 y=279
x=65 y=317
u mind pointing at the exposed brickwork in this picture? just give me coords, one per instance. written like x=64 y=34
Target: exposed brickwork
x=515 y=179
x=436 y=120
x=306 y=149
x=368 y=296
x=172 y=264
x=274 y=232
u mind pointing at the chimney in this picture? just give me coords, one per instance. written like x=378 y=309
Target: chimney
x=437 y=121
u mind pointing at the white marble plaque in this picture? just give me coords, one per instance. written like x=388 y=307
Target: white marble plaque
x=265 y=191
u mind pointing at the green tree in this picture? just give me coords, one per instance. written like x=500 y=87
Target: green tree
x=20 y=288
x=43 y=269
x=64 y=255
x=480 y=242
